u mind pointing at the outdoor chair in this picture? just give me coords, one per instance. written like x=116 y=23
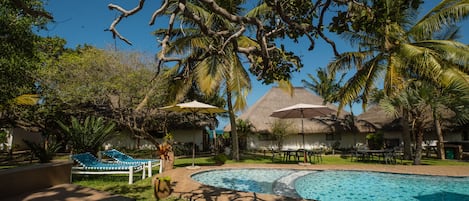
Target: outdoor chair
x=120 y=157
x=89 y=164
x=275 y=154
x=315 y=156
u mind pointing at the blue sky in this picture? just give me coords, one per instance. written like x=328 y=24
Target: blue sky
x=84 y=21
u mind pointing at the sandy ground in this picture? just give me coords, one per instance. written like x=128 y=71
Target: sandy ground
x=185 y=187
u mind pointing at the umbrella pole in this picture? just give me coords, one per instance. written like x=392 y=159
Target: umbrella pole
x=193 y=149
x=193 y=144
x=305 y=160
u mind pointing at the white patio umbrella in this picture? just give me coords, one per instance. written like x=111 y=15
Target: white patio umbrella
x=302 y=111
x=194 y=107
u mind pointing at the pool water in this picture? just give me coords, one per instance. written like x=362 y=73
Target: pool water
x=251 y=180
x=359 y=185
x=339 y=185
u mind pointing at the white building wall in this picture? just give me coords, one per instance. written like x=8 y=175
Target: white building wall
x=312 y=141
x=19 y=134
x=188 y=136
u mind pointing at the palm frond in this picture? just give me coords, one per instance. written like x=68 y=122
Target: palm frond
x=238 y=82
x=209 y=73
x=446 y=13
x=455 y=77
x=347 y=61
x=452 y=52
x=27 y=99
x=363 y=78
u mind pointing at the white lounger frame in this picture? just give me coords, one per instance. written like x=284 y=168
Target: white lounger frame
x=149 y=165
x=130 y=172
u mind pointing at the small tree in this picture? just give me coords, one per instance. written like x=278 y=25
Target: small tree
x=244 y=128
x=280 y=129
x=375 y=140
x=88 y=135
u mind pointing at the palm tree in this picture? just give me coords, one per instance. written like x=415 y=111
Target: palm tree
x=213 y=68
x=423 y=101
x=398 y=52
x=325 y=85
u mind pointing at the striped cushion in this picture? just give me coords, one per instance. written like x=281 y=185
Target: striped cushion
x=124 y=158
x=89 y=162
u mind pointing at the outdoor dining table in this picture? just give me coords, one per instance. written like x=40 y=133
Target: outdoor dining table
x=288 y=153
x=313 y=155
x=386 y=154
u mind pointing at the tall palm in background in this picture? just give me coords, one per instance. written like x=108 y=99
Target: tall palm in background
x=401 y=50
x=325 y=85
x=427 y=106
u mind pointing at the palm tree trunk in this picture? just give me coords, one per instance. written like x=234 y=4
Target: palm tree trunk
x=234 y=133
x=418 y=147
x=406 y=135
x=439 y=133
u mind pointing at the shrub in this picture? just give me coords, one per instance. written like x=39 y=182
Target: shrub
x=88 y=135
x=43 y=153
x=375 y=140
x=220 y=159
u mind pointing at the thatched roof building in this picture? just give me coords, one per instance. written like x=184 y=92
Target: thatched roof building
x=375 y=118
x=276 y=98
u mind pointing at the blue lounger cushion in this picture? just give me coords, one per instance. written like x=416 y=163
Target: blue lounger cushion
x=124 y=158
x=88 y=161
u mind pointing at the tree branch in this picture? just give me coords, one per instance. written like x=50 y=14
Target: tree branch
x=34 y=13
x=124 y=13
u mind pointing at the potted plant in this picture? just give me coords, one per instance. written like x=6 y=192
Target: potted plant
x=162 y=187
x=166 y=154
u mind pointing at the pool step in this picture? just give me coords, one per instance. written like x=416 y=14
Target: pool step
x=285 y=186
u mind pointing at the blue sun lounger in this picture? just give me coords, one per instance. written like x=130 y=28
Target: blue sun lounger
x=126 y=159
x=89 y=164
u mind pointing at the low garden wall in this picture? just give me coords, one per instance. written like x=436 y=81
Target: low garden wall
x=38 y=176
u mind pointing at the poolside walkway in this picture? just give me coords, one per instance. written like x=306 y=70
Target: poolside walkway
x=185 y=187
x=66 y=192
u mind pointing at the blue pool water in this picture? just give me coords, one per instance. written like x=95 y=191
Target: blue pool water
x=339 y=185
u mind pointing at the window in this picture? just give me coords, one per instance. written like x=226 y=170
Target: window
x=333 y=136
x=266 y=137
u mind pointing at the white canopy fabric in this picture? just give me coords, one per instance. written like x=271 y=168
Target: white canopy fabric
x=302 y=110
x=194 y=107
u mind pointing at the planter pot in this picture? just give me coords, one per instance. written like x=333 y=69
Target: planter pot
x=162 y=188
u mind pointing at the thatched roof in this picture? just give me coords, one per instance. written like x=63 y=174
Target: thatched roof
x=276 y=98
x=374 y=118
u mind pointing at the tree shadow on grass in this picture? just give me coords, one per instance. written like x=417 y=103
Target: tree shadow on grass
x=133 y=191
x=117 y=184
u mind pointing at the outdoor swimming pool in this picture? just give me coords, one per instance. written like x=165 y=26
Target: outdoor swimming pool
x=331 y=185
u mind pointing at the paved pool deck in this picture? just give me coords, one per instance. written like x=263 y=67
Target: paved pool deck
x=185 y=187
